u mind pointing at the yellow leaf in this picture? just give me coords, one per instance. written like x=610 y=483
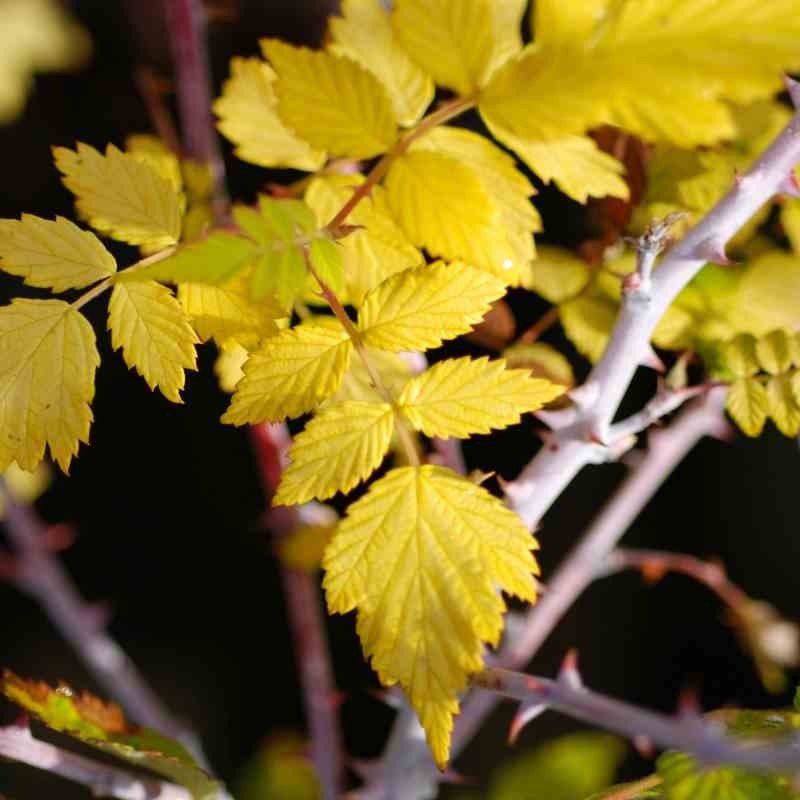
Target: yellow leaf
x=507 y=20
x=121 y=196
x=36 y=36
x=782 y=404
x=462 y=396
x=374 y=252
x=290 y=374
x=739 y=355
x=55 y=255
x=542 y=361
x=452 y=40
x=364 y=33
x=420 y=308
x=500 y=179
x=342 y=446
x=225 y=313
x=443 y=206
x=48 y=358
x=556 y=274
x=152 y=151
x=660 y=68
x=774 y=351
x=228 y=366
x=303 y=548
x=357 y=383
x=248 y=116
x=421 y=557
x=576 y=164
x=150 y=326
x=747 y=404
x=768 y=295
x=587 y=321
x=554 y=23
x=332 y=102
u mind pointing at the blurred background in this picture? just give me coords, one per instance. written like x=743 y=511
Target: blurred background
x=167 y=502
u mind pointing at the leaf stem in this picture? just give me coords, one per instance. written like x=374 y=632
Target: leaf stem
x=541 y=325
x=406 y=437
x=446 y=112
x=107 y=283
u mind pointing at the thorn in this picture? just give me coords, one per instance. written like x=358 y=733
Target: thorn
x=793 y=87
x=58 y=537
x=713 y=251
x=451 y=776
x=568 y=675
x=344 y=230
x=388 y=697
x=689 y=703
x=650 y=359
x=790 y=186
x=644 y=746
x=527 y=712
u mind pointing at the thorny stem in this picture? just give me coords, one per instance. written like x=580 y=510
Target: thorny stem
x=406 y=437
x=187 y=38
x=667 y=448
x=107 y=283
x=438 y=117
x=41 y=575
x=306 y=622
x=688 y=732
x=17 y=743
x=654 y=563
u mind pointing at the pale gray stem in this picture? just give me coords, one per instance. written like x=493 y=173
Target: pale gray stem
x=688 y=732
x=577 y=444
x=17 y=744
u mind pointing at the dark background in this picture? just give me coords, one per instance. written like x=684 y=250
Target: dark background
x=167 y=501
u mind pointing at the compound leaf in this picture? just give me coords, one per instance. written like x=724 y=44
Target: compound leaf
x=342 y=446
x=421 y=557
x=690 y=56
x=364 y=34
x=462 y=396
x=248 y=116
x=48 y=358
x=332 y=102
x=151 y=328
x=53 y=254
x=121 y=195
x=290 y=374
x=422 y=307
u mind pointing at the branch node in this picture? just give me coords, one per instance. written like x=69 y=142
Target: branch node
x=713 y=250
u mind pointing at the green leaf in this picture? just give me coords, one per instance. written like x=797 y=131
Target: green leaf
x=214 y=260
x=103 y=726
x=327 y=261
x=684 y=780
x=567 y=768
